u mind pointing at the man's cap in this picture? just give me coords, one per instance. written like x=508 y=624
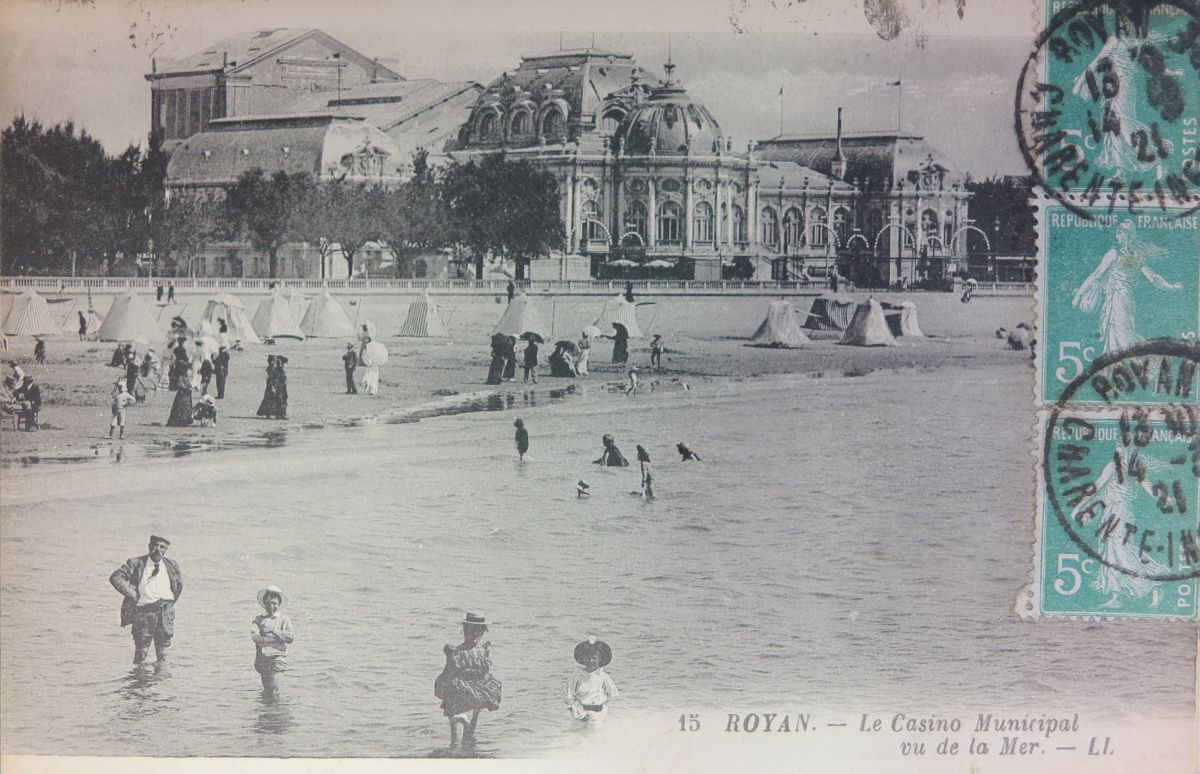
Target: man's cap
x=159 y=539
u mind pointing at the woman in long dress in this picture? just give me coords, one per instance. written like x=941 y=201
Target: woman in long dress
x=181 y=383
x=496 y=370
x=510 y=358
x=585 y=349
x=274 y=401
x=466 y=685
x=620 y=343
x=1114 y=280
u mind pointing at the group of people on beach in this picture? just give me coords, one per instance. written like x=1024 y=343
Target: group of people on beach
x=21 y=397
x=151 y=584
x=568 y=359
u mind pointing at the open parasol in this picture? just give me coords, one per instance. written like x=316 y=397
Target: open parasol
x=567 y=346
x=592 y=332
x=531 y=336
x=374 y=354
x=229 y=300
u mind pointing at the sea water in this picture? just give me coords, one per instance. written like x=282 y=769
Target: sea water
x=846 y=544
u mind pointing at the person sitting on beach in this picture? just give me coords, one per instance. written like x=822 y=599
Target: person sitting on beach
x=29 y=395
x=466 y=684
x=611 y=456
x=205 y=412
x=272 y=633
x=591 y=689
x=120 y=401
x=647 y=475
x=686 y=453
x=39 y=351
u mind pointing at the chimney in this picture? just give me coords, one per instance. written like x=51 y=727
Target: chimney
x=839 y=158
x=225 y=59
x=153 y=65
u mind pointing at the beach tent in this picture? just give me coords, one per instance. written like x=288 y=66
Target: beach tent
x=298 y=302
x=129 y=316
x=325 y=319
x=902 y=319
x=230 y=309
x=275 y=319
x=868 y=328
x=780 y=328
x=423 y=319
x=619 y=310
x=830 y=312
x=70 y=317
x=520 y=316
x=30 y=316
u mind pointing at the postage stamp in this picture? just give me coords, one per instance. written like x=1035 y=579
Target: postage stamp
x=1109 y=281
x=1117 y=513
x=1107 y=103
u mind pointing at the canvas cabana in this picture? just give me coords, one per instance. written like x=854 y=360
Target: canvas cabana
x=619 y=310
x=868 y=327
x=129 y=316
x=30 y=316
x=830 y=312
x=424 y=320
x=325 y=319
x=230 y=309
x=274 y=319
x=521 y=316
x=779 y=328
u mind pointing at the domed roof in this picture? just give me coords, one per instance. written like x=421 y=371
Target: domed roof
x=669 y=123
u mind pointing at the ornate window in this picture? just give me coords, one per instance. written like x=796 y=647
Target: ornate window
x=819 y=231
x=929 y=227
x=635 y=219
x=552 y=122
x=521 y=124
x=947 y=235
x=768 y=227
x=702 y=222
x=487 y=126
x=668 y=223
x=841 y=225
x=874 y=225
x=592 y=222
x=740 y=236
x=611 y=120
x=793 y=229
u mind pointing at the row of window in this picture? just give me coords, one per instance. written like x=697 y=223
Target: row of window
x=793 y=233
x=183 y=112
x=668 y=223
x=521 y=123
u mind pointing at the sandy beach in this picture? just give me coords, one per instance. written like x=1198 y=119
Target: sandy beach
x=705 y=337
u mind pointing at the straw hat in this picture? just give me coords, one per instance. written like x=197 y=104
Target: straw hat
x=592 y=646
x=271 y=590
x=472 y=619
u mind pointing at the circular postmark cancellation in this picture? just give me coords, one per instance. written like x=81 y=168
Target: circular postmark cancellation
x=1108 y=104
x=1123 y=484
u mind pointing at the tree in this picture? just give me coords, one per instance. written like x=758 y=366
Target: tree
x=264 y=210
x=188 y=224
x=414 y=217
x=1004 y=200
x=355 y=217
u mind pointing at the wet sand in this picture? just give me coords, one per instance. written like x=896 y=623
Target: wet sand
x=705 y=337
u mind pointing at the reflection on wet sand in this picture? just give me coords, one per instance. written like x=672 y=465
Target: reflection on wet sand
x=140 y=690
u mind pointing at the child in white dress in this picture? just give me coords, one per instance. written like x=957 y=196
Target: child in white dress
x=591 y=689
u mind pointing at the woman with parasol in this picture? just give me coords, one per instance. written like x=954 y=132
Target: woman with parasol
x=562 y=359
x=620 y=339
x=529 y=365
x=496 y=370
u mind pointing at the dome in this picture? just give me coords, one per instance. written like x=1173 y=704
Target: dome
x=669 y=123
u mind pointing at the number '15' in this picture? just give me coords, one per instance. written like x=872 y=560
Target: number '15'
x=689 y=722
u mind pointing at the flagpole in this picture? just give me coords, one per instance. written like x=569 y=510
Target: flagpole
x=900 y=102
x=781 y=104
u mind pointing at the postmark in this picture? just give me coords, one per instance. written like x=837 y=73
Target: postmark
x=1110 y=282
x=1108 y=104
x=1118 y=531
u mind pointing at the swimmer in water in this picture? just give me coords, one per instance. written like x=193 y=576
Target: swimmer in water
x=687 y=454
x=647 y=474
x=581 y=489
x=611 y=456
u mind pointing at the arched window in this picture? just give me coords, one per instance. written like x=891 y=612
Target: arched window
x=929 y=227
x=841 y=225
x=668 y=223
x=740 y=236
x=793 y=229
x=768 y=227
x=521 y=123
x=819 y=232
x=635 y=219
x=702 y=223
x=947 y=234
x=874 y=225
x=487 y=126
x=611 y=120
x=591 y=221
x=552 y=122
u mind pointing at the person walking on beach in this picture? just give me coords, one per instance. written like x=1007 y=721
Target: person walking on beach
x=512 y=291
x=647 y=474
x=349 y=363
x=151 y=585
x=170 y=291
x=272 y=633
x=466 y=684
x=131 y=371
x=521 y=438
x=585 y=349
x=158 y=291
x=633 y=381
x=656 y=351
x=530 y=363
x=121 y=400
x=620 y=339
x=181 y=383
x=83 y=326
x=591 y=689
x=629 y=291
x=39 y=351
x=510 y=358
x=611 y=456
x=206 y=375
x=275 y=398
x=221 y=370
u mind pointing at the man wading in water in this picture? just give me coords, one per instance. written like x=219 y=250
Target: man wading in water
x=151 y=584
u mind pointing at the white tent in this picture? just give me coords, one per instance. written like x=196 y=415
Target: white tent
x=868 y=328
x=230 y=309
x=129 y=316
x=520 y=316
x=30 y=316
x=423 y=319
x=298 y=302
x=618 y=310
x=274 y=319
x=779 y=328
x=70 y=317
x=325 y=319
x=830 y=312
x=902 y=319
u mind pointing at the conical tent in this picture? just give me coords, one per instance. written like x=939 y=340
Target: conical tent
x=30 y=316
x=228 y=308
x=274 y=319
x=423 y=319
x=129 y=316
x=618 y=310
x=520 y=316
x=902 y=319
x=868 y=328
x=830 y=312
x=780 y=328
x=325 y=319
x=298 y=302
x=70 y=317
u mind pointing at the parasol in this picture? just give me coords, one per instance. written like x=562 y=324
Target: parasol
x=374 y=354
x=972 y=281
x=229 y=300
x=531 y=336
x=567 y=346
x=658 y=263
x=622 y=262
x=206 y=346
x=592 y=332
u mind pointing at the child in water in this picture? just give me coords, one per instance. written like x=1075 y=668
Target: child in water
x=611 y=456
x=633 y=381
x=522 y=438
x=647 y=476
x=271 y=633
x=686 y=453
x=591 y=689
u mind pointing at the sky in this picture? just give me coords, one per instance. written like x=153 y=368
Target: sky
x=86 y=61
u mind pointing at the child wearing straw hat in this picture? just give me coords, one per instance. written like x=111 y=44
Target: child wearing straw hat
x=271 y=633
x=591 y=689
x=466 y=684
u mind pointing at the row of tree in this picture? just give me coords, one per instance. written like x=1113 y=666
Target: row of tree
x=66 y=205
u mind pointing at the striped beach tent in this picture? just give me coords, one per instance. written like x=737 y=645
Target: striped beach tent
x=780 y=328
x=274 y=319
x=325 y=319
x=30 y=316
x=830 y=312
x=423 y=319
x=520 y=316
x=129 y=316
x=618 y=310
